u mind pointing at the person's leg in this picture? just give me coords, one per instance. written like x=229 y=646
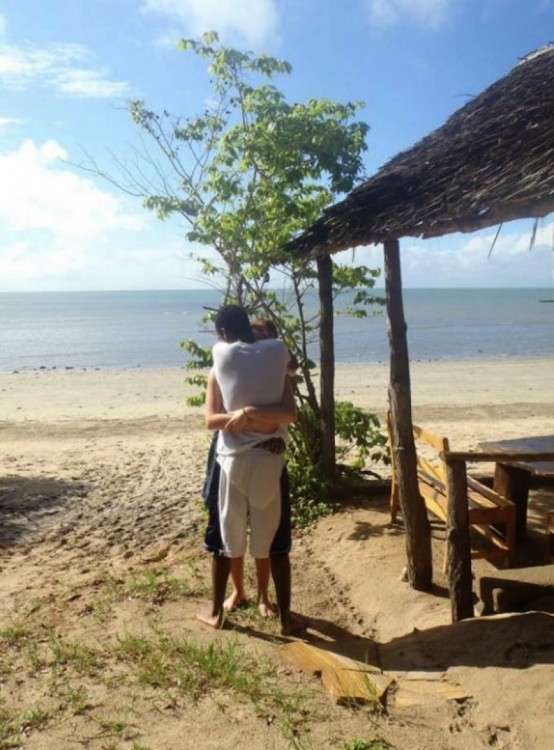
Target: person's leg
x=221 y=567
x=280 y=572
x=265 y=517
x=214 y=544
x=231 y=511
x=282 y=541
x=263 y=570
x=238 y=594
x=210 y=488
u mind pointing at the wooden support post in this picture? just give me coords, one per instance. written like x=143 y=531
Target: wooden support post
x=458 y=544
x=327 y=365
x=416 y=523
x=513 y=483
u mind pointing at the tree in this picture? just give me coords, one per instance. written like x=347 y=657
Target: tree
x=246 y=175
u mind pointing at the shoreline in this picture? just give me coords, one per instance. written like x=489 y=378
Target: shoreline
x=476 y=360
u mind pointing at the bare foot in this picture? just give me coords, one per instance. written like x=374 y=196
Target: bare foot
x=213 y=621
x=234 y=601
x=267 y=609
x=293 y=624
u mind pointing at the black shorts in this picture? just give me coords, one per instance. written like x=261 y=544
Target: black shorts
x=282 y=541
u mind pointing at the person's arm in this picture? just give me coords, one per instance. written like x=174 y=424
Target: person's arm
x=283 y=413
x=214 y=416
x=265 y=418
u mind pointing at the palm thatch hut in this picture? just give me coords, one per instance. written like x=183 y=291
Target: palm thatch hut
x=491 y=162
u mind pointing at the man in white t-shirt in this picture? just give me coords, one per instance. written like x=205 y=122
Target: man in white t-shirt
x=250 y=401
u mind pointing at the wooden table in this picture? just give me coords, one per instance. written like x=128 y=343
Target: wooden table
x=512 y=475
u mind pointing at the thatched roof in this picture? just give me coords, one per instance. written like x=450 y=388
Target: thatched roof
x=492 y=161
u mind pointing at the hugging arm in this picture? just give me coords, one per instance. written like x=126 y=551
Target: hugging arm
x=258 y=418
x=214 y=415
x=265 y=419
x=284 y=412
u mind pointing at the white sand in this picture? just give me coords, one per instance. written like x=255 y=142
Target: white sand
x=102 y=471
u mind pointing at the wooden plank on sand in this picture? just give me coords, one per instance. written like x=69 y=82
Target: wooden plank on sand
x=346 y=680
x=426 y=692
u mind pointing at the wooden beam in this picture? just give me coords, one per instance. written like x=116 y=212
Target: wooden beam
x=327 y=365
x=458 y=543
x=416 y=523
x=497 y=456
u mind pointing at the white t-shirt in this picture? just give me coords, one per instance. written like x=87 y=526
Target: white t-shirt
x=249 y=375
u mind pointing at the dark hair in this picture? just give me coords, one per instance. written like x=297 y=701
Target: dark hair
x=265 y=328
x=233 y=320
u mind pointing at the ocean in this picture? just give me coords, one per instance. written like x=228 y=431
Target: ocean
x=142 y=329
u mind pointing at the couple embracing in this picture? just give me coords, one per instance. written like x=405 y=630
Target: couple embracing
x=250 y=402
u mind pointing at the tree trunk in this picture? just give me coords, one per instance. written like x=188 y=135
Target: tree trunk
x=327 y=365
x=416 y=523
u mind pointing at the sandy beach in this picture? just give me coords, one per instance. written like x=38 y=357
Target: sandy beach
x=511 y=390
x=100 y=478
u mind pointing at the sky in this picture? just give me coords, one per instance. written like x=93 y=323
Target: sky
x=68 y=69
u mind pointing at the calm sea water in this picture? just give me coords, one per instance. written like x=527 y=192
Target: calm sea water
x=120 y=330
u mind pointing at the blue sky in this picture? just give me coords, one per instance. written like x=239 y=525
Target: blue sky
x=67 y=69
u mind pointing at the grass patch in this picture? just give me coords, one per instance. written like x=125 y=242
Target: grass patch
x=358 y=744
x=83 y=658
x=158 y=586
x=153 y=586
x=181 y=666
x=12 y=725
x=18 y=640
x=115 y=728
x=76 y=699
x=191 y=668
x=15 y=635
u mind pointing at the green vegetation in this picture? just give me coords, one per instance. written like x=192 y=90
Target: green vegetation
x=157 y=586
x=357 y=744
x=13 y=725
x=84 y=659
x=189 y=668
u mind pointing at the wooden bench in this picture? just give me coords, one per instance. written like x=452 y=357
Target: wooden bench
x=491 y=515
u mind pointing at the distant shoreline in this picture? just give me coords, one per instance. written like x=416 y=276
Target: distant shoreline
x=477 y=359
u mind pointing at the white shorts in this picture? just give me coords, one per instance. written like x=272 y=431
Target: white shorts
x=249 y=488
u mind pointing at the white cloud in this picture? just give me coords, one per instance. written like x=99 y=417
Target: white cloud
x=255 y=20
x=21 y=264
x=88 y=84
x=38 y=193
x=56 y=265
x=466 y=261
x=59 y=230
x=67 y=68
x=429 y=13
x=7 y=122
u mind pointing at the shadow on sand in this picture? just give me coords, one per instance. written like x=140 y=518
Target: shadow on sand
x=29 y=503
